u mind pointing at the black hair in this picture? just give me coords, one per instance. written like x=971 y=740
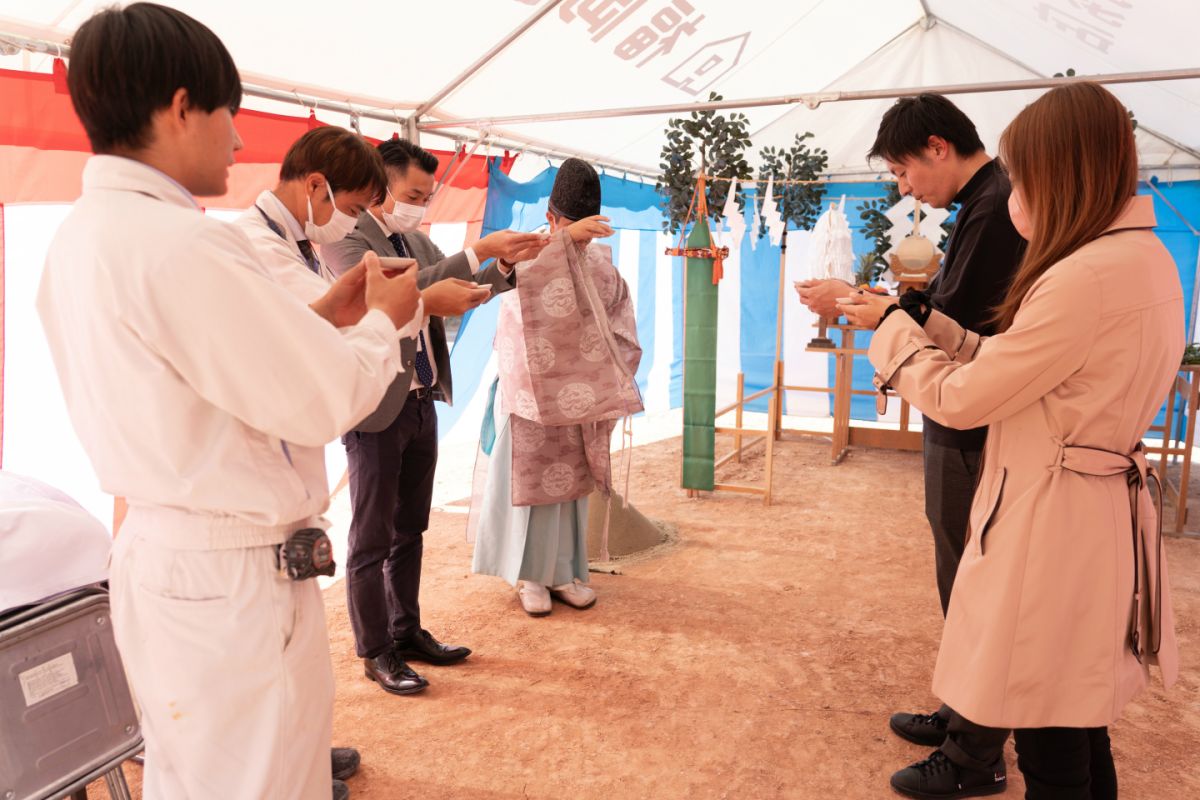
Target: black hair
x=399 y=153
x=905 y=129
x=347 y=161
x=128 y=63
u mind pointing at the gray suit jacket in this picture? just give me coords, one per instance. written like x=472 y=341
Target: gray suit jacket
x=434 y=266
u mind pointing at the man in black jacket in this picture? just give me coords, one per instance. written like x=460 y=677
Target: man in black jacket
x=935 y=154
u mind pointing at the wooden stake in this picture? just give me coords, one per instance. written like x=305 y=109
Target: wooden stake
x=741 y=396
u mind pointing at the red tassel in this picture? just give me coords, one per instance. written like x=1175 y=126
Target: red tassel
x=60 y=76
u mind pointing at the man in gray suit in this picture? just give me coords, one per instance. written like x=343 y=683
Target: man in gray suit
x=393 y=452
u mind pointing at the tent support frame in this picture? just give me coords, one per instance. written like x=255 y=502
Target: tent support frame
x=484 y=59
x=24 y=37
x=815 y=99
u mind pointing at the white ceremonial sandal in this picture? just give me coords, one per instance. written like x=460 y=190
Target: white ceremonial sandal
x=535 y=598
x=574 y=594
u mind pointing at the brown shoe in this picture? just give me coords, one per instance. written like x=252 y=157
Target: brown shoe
x=393 y=675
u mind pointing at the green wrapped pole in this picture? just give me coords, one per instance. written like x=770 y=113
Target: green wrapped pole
x=699 y=365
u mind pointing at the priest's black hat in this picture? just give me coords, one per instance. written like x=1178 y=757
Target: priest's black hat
x=576 y=192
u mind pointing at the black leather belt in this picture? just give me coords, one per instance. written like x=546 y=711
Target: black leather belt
x=421 y=392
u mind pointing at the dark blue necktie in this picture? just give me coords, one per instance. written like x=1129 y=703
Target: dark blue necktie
x=310 y=257
x=398 y=244
x=305 y=246
x=421 y=361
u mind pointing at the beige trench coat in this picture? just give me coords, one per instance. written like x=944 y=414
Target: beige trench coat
x=1038 y=631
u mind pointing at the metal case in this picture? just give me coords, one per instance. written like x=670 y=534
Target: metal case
x=66 y=713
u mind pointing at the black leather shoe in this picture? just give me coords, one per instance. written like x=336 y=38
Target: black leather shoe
x=939 y=778
x=345 y=762
x=393 y=675
x=340 y=791
x=421 y=646
x=928 y=730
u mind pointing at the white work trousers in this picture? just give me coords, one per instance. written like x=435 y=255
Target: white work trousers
x=230 y=665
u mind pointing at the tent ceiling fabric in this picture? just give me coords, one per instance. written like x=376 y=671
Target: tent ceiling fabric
x=589 y=54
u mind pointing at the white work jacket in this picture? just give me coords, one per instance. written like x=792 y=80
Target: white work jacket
x=188 y=372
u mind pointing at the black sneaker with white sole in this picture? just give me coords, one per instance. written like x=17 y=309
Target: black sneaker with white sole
x=939 y=778
x=928 y=730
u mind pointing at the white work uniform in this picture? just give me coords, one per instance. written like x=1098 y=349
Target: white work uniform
x=285 y=264
x=279 y=254
x=189 y=374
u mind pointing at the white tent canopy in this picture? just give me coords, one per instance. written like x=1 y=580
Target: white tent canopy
x=584 y=55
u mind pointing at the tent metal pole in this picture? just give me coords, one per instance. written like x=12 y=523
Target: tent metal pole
x=816 y=99
x=929 y=17
x=483 y=60
x=513 y=141
x=386 y=111
x=376 y=109
x=310 y=97
x=1162 y=137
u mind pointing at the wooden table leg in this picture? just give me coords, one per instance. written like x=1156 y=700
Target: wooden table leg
x=1168 y=430
x=741 y=394
x=1185 y=473
x=770 y=466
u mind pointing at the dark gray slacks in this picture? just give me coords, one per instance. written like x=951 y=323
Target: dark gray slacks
x=951 y=475
x=391 y=488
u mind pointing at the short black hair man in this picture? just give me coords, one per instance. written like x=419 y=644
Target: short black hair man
x=327 y=178
x=935 y=153
x=186 y=373
x=392 y=454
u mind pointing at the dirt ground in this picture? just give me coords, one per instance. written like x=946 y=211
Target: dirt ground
x=758 y=655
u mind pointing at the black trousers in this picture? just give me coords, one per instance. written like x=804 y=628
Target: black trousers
x=1066 y=763
x=391 y=487
x=951 y=475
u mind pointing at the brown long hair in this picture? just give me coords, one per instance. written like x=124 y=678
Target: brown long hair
x=1072 y=154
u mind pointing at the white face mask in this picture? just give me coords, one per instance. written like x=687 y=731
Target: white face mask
x=404 y=217
x=339 y=226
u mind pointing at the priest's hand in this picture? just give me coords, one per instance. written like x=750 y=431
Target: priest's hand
x=821 y=295
x=865 y=309
x=345 y=303
x=395 y=293
x=453 y=297
x=589 y=228
x=510 y=246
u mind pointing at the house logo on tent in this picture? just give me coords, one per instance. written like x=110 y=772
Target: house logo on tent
x=704 y=67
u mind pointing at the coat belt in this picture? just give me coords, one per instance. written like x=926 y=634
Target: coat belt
x=1144 y=628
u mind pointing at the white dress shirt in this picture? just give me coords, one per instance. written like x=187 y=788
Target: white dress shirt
x=473 y=260
x=187 y=369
